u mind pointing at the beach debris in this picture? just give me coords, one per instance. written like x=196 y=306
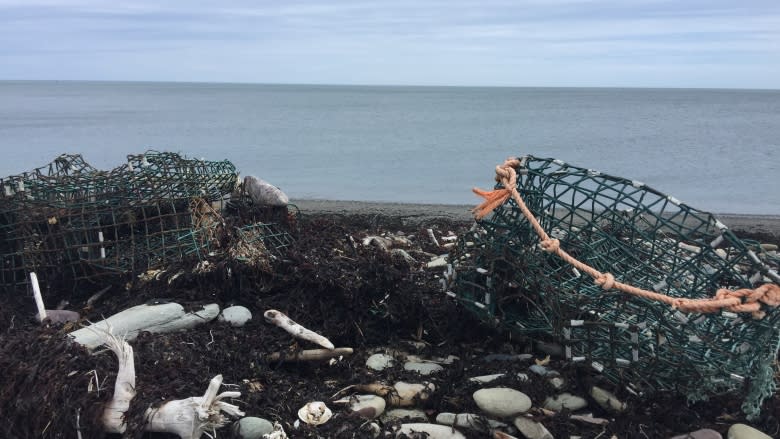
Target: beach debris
x=502 y=402
x=408 y=394
x=366 y=406
x=155 y=318
x=315 y=413
x=264 y=193
x=277 y=433
x=310 y=355
x=742 y=431
x=565 y=401
x=469 y=420
x=607 y=400
x=236 y=316
x=433 y=431
x=279 y=319
x=188 y=418
x=251 y=427
x=532 y=429
x=432 y=236
x=422 y=368
x=379 y=362
x=403 y=414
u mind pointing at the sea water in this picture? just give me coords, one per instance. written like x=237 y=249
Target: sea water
x=716 y=150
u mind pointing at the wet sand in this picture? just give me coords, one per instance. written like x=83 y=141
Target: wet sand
x=764 y=226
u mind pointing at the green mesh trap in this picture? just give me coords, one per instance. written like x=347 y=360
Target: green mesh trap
x=646 y=239
x=68 y=221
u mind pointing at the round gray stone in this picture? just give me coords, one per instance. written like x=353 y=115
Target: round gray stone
x=404 y=414
x=704 y=433
x=423 y=368
x=502 y=402
x=742 y=431
x=251 y=428
x=532 y=429
x=379 y=362
x=237 y=315
x=565 y=401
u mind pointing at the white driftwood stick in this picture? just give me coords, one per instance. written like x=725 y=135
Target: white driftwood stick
x=38 y=297
x=311 y=355
x=124 y=388
x=166 y=317
x=189 y=418
x=279 y=319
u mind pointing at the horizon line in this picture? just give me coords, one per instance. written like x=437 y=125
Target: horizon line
x=314 y=84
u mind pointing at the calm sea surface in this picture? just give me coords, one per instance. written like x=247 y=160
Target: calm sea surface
x=716 y=150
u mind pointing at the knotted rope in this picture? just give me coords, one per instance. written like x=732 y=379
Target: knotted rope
x=742 y=300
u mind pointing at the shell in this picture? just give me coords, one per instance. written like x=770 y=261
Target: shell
x=315 y=413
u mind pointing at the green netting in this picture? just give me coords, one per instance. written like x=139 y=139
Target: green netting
x=646 y=239
x=68 y=221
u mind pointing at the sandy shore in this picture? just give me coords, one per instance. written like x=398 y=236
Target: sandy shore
x=766 y=226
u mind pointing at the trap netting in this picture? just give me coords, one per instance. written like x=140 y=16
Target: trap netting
x=68 y=221
x=510 y=277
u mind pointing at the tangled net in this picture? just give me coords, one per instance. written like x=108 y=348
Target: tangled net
x=607 y=266
x=70 y=222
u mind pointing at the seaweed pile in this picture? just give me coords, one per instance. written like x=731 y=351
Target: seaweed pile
x=337 y=277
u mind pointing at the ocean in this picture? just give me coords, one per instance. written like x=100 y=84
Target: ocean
x=716 y=150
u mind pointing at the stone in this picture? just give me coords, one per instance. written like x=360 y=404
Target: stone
x=438 y=262
x=433 y=431
x=607 y=400
x=742 y=431
x=367 y=406
x=379 y=362
x=264 y=193
x=502 y=402
x=704 y=433
x=565 y=401
x=469 y=420
x=251 y=428
x=423 y=368
x=769 y=247
x=486 y=378
x=404 y=414
x=236 y=316
x=532 y=429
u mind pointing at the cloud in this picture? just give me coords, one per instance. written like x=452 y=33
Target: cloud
x=458 y=41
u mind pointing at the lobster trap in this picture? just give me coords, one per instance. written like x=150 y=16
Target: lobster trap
x=645 y=239
x=68 y=221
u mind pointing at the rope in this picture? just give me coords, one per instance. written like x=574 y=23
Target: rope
x=742 y=300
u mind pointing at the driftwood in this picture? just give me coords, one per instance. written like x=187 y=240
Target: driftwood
x=310 y=355
x=279 y=319
x=188 y=418
x=166 y=317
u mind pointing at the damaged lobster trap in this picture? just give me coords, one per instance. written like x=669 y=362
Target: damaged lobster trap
x=626 y=233
x=68 y=221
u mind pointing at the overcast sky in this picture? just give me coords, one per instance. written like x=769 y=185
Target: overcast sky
x=645 y=43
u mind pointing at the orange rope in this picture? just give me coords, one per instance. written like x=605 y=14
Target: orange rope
x=731 y=300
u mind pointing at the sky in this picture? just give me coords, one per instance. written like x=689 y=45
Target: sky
x=588 y=43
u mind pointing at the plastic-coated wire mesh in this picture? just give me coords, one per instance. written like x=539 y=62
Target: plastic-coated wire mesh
x=644 y=238
x=68 y=221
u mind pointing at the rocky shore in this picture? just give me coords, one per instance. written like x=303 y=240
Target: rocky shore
x=414 y=362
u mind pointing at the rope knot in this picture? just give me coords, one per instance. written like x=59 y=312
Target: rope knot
x=605 y=281
x=550 y=245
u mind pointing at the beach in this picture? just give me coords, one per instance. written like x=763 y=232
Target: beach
x=760 y=227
